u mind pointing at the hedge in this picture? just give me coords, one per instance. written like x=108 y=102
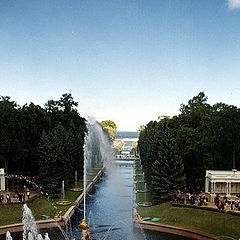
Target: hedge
x=198 y=207
x=234 y=213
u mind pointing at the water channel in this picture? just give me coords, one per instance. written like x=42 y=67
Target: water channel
x=110 y=208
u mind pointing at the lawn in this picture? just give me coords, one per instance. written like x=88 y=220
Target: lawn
x=217 y=224
x=12 y=213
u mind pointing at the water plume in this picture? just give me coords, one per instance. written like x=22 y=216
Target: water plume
x=97 y=151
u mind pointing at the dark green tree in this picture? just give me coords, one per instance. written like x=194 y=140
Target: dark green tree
x=168 y=169
x=49 y=176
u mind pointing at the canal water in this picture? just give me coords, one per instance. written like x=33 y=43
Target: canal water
x=110 y=208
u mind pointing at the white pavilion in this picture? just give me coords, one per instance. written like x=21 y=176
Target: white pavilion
x=222 y=182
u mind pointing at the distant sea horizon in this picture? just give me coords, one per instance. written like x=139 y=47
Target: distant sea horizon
x=126 y=134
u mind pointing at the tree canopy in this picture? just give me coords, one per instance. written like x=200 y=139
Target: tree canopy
x=23 y=131
x=110 y=127
x=207 y=137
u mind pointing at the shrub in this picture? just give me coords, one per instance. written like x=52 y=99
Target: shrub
x=198 y=207
x=234 y=213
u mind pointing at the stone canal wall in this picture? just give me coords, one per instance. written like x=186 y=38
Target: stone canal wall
x=70 y=212
x=13 y=228
x=183 y=232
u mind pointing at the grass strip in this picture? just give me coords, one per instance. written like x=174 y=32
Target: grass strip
x=211 y=222
x=12 y=213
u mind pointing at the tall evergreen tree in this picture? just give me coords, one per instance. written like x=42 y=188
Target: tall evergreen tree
x=49 y=177
x=168 y=169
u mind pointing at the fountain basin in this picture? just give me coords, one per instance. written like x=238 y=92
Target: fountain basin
x=76 y=189
x=142 y=191
x=144 y=204
x=63 y=203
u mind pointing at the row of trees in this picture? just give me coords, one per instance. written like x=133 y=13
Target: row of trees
x=207 y=136
x=163 y=167
x=44 y=142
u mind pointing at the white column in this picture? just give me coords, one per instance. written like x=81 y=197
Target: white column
x=206 y=185
x=214 y=184
x=229 y=189
x=211 y=187
x=2 y=182
x=226 y=187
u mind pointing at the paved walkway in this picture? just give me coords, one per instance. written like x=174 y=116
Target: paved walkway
x=13 y=196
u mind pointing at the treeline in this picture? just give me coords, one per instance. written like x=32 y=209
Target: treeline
x=36 y=141
x=207 y=137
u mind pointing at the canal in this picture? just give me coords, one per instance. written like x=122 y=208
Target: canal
x=110 y=208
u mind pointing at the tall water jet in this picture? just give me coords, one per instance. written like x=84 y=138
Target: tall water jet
x=63 y=190
x=97 y=150
x=8 y=236
x=75 y=177
x=29 y=225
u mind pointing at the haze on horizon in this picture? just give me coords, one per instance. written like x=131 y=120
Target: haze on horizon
x=128 y=61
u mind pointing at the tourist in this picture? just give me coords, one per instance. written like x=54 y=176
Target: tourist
x=20 y=196
x=225 y=198
x=23 y=196
x=217 y=201
x=222 y=205
x=8 y=198
x=232 y=203
x=192 y=200
x=182 y=200
x=28 y=193
x=237 y=204
x=1 y=198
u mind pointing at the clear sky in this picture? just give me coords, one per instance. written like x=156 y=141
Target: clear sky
x=129 y=61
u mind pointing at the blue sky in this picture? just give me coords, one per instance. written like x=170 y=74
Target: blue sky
x=128 y=61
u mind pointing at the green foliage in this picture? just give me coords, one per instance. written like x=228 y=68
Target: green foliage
x=148 y=148
x=21 y=129
x=208 y=137
x=168 y=169
x=141 y=128
x=233 y=213
x=50 y=164
x=134 y=148
x=110 y=127
x=199 y=207
x=108 y=123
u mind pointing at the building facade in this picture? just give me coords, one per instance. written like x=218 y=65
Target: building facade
x=222 y=182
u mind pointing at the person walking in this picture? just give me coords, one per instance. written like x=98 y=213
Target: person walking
x=8 y=197
x=23 y=195
x=20 y=196
x=28 y=193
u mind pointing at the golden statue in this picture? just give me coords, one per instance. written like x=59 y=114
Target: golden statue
x=84 y=227
x=86 y=234
x=58 y=217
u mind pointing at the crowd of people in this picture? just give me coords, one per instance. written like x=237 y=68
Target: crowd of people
x=224 y=202
x=192 y=199
x=203 y=200
x=21 y=196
